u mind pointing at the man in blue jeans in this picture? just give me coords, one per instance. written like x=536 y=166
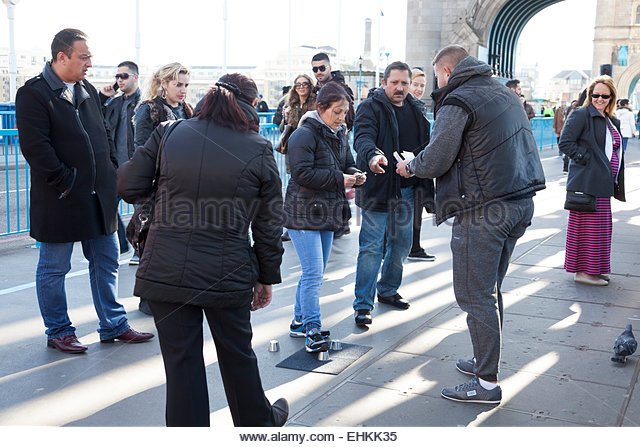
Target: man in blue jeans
x=73 y=191
x=389 y=121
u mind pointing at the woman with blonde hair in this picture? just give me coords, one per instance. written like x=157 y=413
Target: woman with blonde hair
x=164 y=100
x=591 y=139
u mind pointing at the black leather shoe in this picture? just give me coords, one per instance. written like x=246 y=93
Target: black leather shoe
x=131 y=336
x=280 y=412
x=68 y=344
x=395 y=300
x=363 y=317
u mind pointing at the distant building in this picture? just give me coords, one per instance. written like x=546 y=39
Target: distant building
x=567 y=85
x=28 y=65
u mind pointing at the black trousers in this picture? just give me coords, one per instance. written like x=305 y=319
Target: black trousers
x=181 y=342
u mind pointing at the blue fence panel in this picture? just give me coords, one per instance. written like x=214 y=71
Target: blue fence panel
x=543 y=132
x=14 y=190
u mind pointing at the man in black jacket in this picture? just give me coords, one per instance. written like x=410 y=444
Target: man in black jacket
x=118 y=113
x=73 y=192
x=390 y=121
x=484 y=157
x=321 y=67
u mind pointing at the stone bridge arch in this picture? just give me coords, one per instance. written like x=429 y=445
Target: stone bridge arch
x=628 y=80
x=490 y=30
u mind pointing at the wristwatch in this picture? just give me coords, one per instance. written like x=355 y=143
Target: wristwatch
x=408 y=169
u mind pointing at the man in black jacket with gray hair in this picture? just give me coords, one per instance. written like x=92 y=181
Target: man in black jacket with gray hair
x=487 y=170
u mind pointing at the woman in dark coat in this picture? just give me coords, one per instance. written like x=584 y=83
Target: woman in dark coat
x=218 y=180
x=591 y=139
x=164 y=101
x=315 y=204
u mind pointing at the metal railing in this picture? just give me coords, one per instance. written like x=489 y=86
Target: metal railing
x=14 y=188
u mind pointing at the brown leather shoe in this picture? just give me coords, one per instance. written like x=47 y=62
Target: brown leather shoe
x=131 y=336
x=68 y=344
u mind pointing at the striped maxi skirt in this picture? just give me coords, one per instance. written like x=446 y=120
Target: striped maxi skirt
x=588 y=248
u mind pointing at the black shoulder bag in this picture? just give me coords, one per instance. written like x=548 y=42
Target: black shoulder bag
x=138 y=226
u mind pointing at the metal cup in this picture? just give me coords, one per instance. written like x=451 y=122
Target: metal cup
x=274 y=346
x=323 y=356
x=336 y=345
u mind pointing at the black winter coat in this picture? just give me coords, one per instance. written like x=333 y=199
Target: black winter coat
x=315 y=198
x=215 y=185
x=583 y=139
x=112 y=111
x=376 y=133
x=69 y=150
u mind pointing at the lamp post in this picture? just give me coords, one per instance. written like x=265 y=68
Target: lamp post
x=138 y=32
x=359 y=81
x=13 y=70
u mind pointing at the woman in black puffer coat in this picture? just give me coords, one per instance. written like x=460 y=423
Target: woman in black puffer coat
x=218 y=179
x=315 y=203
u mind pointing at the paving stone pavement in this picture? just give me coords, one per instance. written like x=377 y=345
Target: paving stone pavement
x=555 y=367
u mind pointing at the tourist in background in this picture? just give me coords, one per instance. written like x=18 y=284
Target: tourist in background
x=423 y=197
x=591 y=139
x=164 y=100
x=627 y=123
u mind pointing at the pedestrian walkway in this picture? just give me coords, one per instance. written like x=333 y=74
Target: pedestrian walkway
x=555 y=369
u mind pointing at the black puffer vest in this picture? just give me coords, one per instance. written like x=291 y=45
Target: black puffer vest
x=498 y=158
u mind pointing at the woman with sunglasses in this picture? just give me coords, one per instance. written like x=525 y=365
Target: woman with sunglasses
x=591 y=139
x=299 y=101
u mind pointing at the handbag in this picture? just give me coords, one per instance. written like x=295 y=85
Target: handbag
x=580 y=201
x=284 y=139
x=138 y=227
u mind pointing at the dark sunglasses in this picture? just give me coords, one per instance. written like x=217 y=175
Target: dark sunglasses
x=302 y=84
x=596 y=96
x=123 y=76
x=322 y=68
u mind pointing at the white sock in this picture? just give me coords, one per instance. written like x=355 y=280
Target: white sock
x=487 y=385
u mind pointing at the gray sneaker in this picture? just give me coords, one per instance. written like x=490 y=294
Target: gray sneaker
x=472 y=391
x=465 y=366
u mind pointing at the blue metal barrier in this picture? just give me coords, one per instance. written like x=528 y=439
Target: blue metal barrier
x=14 y=199
x=14 y=195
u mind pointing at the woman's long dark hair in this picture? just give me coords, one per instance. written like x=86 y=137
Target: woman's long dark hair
x=222 y=103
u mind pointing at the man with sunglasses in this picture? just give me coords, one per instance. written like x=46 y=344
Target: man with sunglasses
x=119 y=102
x=321 y=68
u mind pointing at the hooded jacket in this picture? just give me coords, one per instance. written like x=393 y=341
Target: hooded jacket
x=494 y=158
x=72 y=158
x=318 y=156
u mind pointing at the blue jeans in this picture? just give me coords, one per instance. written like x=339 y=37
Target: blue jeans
x=55 y=262
x=313 y=248
x=398 y=227
x=625 y=141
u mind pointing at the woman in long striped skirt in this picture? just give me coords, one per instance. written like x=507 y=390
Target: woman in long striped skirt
x=592 y=140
